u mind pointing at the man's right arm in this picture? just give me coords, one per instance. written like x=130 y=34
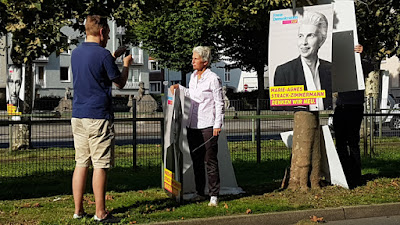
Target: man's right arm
x=121 y=80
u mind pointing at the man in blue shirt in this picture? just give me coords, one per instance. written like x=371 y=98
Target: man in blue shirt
x=94 y=71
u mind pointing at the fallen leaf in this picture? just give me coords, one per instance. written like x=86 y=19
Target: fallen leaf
x=168 y=209
x=26 y=205
x=226 y=206
x=140 y=191
x=248 y=211
x=132 y=222
x=88 y=200
x=109 y=197
x=36 y=205
x=182 y=218
x=317 y=219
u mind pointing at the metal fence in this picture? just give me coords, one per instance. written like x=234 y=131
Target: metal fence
x=252 y=132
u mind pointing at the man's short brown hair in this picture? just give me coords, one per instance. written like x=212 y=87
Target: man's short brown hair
x=94 y=23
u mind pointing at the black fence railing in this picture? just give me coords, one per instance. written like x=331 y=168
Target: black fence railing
x=253 y=135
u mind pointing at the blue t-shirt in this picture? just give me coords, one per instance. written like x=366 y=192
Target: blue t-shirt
x=93 y=69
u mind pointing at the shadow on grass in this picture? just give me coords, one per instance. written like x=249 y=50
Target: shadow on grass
x=254 y=178
x=382 y=167
x=60 y=182
x=259 y=178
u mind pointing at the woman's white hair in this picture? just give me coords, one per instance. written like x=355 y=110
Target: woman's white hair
x=317 y=19
x=204 y=52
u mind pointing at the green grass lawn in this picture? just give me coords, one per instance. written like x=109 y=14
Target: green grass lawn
x=136 y=196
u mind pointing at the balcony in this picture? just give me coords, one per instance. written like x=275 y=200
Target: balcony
x=131 y=85
x=40 y=84
x=137 y=60
x=41 y=59
x=120 y=30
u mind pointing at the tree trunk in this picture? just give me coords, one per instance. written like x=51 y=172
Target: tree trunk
x=372 y=84
x=306 y=151
x=21 y=133
x=372 y=88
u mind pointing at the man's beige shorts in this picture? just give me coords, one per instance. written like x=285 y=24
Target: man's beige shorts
x=94 y=142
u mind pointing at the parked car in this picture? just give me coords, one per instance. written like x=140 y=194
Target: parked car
x=394 y=120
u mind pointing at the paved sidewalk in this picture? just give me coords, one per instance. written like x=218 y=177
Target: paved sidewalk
x=292 y=217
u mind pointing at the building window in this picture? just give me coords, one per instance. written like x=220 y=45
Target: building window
x=64 y=74
x=154 y=65
x=137 y=55
x=175 y=82
x=40 y=73
x=227 y=76
x=133 y=75
x=155 y=87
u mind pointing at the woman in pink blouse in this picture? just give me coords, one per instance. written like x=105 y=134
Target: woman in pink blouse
x=205 y=121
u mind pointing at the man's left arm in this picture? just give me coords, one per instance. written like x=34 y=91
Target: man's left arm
x=121 y=80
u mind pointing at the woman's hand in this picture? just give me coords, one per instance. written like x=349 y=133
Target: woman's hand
x=216 y=131
x=173 y=87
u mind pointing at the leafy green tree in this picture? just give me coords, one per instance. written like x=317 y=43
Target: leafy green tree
x=35 y=26
x=169 y=30
x=244 y=29
x=3 y=18
x=378 y=25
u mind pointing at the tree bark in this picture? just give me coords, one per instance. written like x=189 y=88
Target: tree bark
x=372 y=84
x=306 y=152
x=21 y=133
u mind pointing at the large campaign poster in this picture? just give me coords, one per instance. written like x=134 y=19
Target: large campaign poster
x=347 y=72
x=178 y=175
x=300 y=58
x=15 y=87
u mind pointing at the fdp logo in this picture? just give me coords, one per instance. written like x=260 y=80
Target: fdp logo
x=170 y=100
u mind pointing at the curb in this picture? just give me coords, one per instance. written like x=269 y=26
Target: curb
x=292 y=217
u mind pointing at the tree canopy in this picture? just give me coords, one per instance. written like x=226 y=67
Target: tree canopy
x=36 y=25
x=169 y=30
x=378 y=25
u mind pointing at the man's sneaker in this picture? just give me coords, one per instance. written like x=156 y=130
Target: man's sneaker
x=213 y=201
x=79 y=216
x=108 y=219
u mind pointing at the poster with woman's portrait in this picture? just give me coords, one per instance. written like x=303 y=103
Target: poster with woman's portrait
x=15 y=90
x=300 y=58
